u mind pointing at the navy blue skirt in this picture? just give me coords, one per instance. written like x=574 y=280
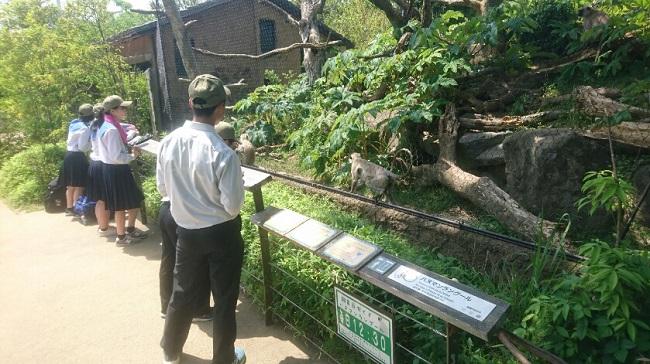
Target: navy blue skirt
x=75 y=169
x=122 y=193
x=95 y=189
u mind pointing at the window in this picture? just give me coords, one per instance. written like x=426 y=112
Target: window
x=267 y=35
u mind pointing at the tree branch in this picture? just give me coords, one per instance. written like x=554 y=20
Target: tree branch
x=147 y=12
x=289 y=18
x=270 y=53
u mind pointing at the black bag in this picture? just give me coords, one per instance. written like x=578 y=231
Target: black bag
x=54 y=200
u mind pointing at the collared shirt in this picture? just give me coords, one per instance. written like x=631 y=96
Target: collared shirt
x=78 y=136
x=200 y=175
x=110 y=148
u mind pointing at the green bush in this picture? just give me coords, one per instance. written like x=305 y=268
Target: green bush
x=151 y=196
x=24 y=177
x=599 y=315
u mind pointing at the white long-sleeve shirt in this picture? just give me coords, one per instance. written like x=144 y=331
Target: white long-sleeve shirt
x=110 y=148
x=78 y=136
x=200 y=175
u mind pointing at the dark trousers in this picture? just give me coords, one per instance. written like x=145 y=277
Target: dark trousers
x=168 y=260
x=223 y=247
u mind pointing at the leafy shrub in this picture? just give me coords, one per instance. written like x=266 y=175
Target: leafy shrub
x=24 y=177
x=600 y=314
x=552 y=17
x=151 y=197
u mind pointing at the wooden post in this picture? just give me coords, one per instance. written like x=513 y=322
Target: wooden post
x=266 y=259
x=452 y=343
x=152 y=103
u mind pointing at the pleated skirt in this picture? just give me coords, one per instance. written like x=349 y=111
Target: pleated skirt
x=122 y=192
x=95 y=189
x=75 y=169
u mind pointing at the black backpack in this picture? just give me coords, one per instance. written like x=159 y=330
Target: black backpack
x=54 y=200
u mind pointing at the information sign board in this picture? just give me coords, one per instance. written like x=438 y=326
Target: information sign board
x=455 y=298
x=350 y=251
x=312 y=234
x=284 y=221
x=364 y=327
x=381 y=264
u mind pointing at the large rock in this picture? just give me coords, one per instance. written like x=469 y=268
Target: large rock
x=544 y=172
x=482 y=149
x=641 y=180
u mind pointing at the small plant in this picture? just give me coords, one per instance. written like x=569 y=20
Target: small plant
x=24 y=177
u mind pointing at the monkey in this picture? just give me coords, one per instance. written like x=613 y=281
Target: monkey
x=592 y=17
x=377 y=178
x=246 y=150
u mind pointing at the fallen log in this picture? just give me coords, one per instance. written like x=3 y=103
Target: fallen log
x=631 y=133
x=595 y=104
x=490 y=123
x=481 y=190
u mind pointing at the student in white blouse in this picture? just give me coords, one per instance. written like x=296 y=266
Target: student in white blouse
x=202 y=177
x=75 y=163
x=122 y=192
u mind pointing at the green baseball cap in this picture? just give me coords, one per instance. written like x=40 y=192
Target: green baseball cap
x=225 y=130
x=207 y=91
x=86 y=110
x=99 y=107
x=113 y=101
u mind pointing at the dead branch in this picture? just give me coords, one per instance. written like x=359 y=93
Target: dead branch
x=540 y=353
x=190 y=23
x=631 y=133
x=490 y=123
x=594 y=104
x=279 y=9
x=586 y=54
x=147 y=12
x=482 y=191
x=270 y=53
x=505 y=340
x=239 y=83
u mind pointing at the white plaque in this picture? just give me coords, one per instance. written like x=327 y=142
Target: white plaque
x=150 y=146
x=444 y=293
x=253 y=177
x=312 y=234
x=350 y=251
x=284 y=221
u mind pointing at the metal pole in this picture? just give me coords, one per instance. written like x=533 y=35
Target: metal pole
x=266 y=259
x=452 y=342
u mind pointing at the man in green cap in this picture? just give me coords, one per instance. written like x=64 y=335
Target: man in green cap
x=202 y=178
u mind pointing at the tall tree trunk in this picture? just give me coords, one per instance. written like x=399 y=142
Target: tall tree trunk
x=180 y=35
x=426 y=13
x=313 y=59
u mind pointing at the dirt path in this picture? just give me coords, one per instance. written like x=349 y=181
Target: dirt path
x=69 y=296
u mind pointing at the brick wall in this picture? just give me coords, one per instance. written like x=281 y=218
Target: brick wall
x=232 y=27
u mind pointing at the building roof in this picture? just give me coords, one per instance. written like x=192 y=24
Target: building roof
x=285 y=5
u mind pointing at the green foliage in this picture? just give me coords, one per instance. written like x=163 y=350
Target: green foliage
x=358 y=20
x=24 y=177
x=53 y=60
x=598 y=315
x=604 y=190
x=151 y=196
